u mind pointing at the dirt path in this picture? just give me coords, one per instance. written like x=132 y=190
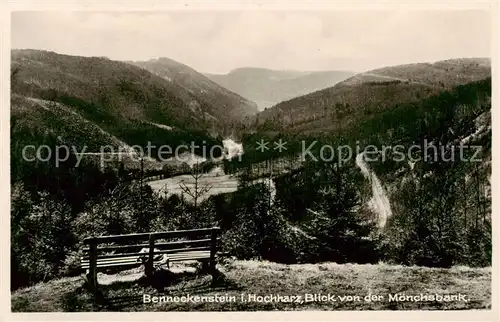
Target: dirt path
x=379 y=201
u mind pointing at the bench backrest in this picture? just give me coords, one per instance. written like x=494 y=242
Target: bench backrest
x=155 y=243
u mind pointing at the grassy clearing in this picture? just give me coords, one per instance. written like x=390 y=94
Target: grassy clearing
x=264 y=278
x=218 y=184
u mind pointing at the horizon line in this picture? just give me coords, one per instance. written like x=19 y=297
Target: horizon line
x=254 y=67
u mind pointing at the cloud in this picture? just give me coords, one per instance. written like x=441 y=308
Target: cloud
x=211 y=41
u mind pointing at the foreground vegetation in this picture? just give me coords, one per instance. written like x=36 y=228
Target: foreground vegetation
x=265 y=278
x=310 y=219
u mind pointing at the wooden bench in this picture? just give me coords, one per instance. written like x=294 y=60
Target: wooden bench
x=162 y=248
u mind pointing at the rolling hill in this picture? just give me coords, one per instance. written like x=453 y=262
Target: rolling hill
x=267 y=87
x=224 y=102
x=95 y=101
x=334 y=108
x=446 y=105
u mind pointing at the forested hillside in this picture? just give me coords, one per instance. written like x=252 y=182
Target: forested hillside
x=115 y=99
x=343 y=105
x=224 y=103
x=305 y=211
x=441 y=204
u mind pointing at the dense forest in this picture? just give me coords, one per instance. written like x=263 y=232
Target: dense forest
x=441 y=208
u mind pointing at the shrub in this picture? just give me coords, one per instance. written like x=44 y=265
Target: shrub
x=40 y=237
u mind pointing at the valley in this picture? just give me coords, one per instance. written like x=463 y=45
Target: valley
x=268 y=87
x=273 y=202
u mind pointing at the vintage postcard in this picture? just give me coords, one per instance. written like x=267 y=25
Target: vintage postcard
x=251 y=157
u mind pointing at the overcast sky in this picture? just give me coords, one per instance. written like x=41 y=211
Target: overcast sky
x=217 y=42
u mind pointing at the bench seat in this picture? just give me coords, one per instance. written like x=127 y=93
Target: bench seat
x=136 y=260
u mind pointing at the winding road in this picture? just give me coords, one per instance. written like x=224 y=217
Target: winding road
x=379 y=202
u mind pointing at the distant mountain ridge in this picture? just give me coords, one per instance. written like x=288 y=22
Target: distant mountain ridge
x=268 y=87
x=437 y=73
x=363 y=94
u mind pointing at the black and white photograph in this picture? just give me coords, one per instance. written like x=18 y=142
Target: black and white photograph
x=201 y=160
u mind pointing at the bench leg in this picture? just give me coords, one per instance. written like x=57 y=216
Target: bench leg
x=148 y=268
x=213 y=251
x=205 y=266
x=92 y=282
x=150 y=261
x=92 y=276
x=213 y=271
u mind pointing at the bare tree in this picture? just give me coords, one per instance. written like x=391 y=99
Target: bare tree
x=164 y=190
x=198 y=190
